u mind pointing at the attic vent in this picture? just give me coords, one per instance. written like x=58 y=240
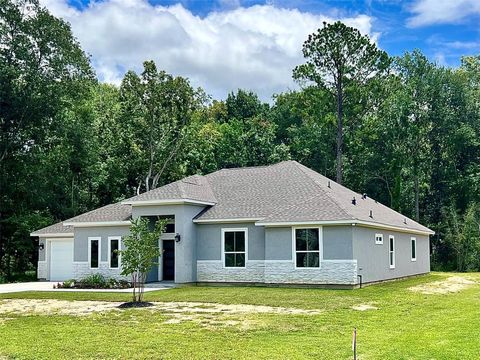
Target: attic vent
x=354 y=201
x=364 y=196
x=371 y=214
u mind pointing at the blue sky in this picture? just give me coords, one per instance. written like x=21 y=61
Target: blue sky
x=225 y=44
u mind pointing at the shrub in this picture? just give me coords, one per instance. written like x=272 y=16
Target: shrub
x=69 y=283
x=94 y=281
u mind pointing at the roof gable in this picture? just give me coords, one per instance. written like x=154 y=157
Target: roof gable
x=193 y=188
x=55 y=229
x=108 y=213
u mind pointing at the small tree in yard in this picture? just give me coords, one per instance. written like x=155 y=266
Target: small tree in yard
x=141 y=248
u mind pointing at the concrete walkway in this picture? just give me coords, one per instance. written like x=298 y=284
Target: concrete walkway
x=48 y=286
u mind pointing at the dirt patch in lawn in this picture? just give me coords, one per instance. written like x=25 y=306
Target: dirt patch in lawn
x=212 y=308
x=364 y=307
x=452 y=284
x=213 y=316
x=208 y=315
x=59 y=307
x=63 y=307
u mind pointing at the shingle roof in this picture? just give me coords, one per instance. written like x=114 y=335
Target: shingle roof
x=57 y=228
x=291 y=192
x=112 y=212
x=287 y=192
x=195 y=187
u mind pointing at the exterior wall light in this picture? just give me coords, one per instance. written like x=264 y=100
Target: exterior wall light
x=177 y=237
x=41 y=246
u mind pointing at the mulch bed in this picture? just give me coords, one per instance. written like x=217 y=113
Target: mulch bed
x=135 y=304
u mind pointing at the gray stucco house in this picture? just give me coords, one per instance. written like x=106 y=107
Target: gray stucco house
x=277 y=224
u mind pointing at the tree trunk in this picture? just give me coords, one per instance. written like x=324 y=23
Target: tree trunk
x=339 y=130
x=72 y=196
x=1 y=241
x=141 y=289
x=134 y=286
x=8 y=270
x=417 y=195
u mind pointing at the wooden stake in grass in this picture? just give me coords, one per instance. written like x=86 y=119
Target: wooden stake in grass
x=354 y=344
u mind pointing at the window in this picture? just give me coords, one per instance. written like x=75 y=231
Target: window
x=413 y=242
x=235 y=247
x=169 y=226
x=379 y=239
x=391 y=251
x=307 y=248
x=113 y=248
x=94 y=252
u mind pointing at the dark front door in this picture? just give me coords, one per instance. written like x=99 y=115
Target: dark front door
x=168 y=260
x=152 y=275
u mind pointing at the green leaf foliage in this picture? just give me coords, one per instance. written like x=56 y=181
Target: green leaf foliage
x=404 y=130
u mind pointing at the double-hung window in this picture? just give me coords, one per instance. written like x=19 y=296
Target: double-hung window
x=235 y=242
x=307 y=248
x=413 y=245
x=94 y=252
x=113 y=249
x=391 y=251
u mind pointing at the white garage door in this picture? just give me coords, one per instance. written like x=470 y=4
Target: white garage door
x=61 y=260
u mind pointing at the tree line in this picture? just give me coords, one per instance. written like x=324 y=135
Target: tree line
x=404 y=130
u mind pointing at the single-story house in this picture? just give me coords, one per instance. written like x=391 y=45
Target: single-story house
x=276 y=224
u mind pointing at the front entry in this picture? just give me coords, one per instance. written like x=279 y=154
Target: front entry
x=168 y=260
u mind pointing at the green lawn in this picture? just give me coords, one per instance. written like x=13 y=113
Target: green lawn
x=406 y=325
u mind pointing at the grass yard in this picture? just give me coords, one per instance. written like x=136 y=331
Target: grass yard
x=440 y=320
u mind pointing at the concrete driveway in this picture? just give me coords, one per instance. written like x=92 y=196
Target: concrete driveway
x=26 y=286
x=48 y=286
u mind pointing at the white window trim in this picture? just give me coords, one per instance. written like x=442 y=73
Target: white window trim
x=110 y=238
x=413 y=239
x=379 y=242
x=320 y=246
x=90 y=239
x=390 y=251
x=224 y=230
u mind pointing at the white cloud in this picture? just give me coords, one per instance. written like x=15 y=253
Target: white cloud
x=428 y=12
x=253 y=48
x=463 y=45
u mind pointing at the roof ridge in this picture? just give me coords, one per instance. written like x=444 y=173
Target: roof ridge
x=301 y=168
x=183 y=194
x=94 y=210
x=250 y=167
x=210 y=187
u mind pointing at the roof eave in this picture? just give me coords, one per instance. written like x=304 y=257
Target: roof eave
x=427 y=231
x=225 y=221
x=52 y=235
x=167 y=202
x=346 y=222
x=97 y=223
